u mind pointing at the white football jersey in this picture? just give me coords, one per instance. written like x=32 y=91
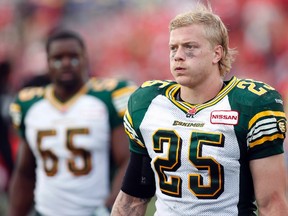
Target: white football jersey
x=71 y=143
x=200 y=153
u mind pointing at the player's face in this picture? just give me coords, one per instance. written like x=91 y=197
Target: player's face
x=191 y=55
x=67 y=63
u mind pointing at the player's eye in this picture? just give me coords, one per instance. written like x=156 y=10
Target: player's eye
x=75 y=62
x=191 y=46
x=56 y=63
x=173 y=48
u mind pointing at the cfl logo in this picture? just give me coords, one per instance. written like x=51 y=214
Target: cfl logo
x=188 y=115
x=191 y=113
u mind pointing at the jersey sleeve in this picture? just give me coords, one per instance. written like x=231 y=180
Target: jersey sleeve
x=19 y=107
x=138 y=104
x=16 y=115
x=120 y=96
x=119 y=100
x=266 y=126
x=136 y=141
x=115 y=94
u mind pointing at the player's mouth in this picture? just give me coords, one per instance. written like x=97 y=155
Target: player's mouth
x=66 y=75
x=179 y=69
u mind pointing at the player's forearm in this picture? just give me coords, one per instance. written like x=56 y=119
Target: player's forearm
x=273 y=212
x=126 y=205
x=20 y=196
x=274 y=208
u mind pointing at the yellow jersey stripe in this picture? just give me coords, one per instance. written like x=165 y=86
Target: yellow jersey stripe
x=266 y=138
x=265 y=113
x=122 y=91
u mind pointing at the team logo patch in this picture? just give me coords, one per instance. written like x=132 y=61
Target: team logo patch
x=191 y=112
x=282 y=126
x=228 y=117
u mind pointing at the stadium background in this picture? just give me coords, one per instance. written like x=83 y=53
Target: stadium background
x=129 y=38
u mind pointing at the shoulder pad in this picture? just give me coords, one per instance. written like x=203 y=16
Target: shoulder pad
x=255 y=87
x=103 y=84
x=158 y=83
x=30 y=93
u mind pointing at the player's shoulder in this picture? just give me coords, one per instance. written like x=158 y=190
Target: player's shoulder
x=109 y=84
x=30 y=94
x=147 y=92
x=255 y=92
x=152 y=88
x=25 y=98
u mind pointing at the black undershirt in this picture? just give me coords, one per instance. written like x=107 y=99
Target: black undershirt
x=139 y=178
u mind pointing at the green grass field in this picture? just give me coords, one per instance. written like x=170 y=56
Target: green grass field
x=151 y=208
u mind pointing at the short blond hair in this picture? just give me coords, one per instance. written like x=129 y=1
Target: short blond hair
x=215 y=29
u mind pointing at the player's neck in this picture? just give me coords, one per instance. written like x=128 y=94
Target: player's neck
x=202 y=93
x=65 y=93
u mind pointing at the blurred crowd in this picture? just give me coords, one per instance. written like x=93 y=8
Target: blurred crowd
x=129 y=39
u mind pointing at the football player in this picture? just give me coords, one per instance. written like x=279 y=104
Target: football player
x=68 y=130
x=202 y=145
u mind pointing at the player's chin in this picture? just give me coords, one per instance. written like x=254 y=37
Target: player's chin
x=183 y=80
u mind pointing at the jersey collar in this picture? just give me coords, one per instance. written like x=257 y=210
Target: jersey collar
x=173 y=90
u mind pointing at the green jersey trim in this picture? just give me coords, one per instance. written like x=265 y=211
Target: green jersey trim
x=185 y=107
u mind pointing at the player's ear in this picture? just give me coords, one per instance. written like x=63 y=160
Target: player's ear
x=218 y=54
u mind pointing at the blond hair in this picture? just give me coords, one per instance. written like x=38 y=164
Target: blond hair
x=215 y=30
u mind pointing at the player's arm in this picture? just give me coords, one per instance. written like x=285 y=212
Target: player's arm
x=120 y=154
x=126 y=205
x=22 y=183
x=267 y=128
x=269 y=177
x=119 y=141
x=137 y=189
